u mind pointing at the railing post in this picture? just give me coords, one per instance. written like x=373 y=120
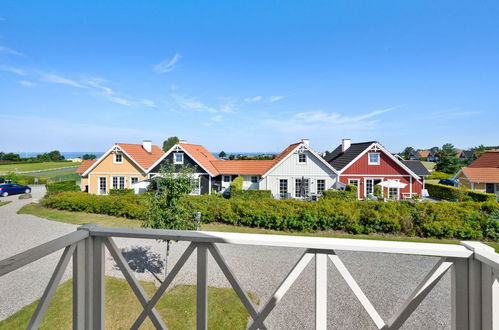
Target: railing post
x=202 y=286
x=320 y=291
x=99 y=288
x=460 y=289
x=79 y=286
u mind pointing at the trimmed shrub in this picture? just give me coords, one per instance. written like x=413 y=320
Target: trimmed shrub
x=237 y=184
x=25 y=180
x=435 y=175
x=349 y=194
x=62 y=186
x=461 y=220
x=251 y=194
x=458 y=194
x=121 y=192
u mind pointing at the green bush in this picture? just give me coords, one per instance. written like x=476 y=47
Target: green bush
x=250 y=194
x=25 y=180
x=458 y=194
x=120 y=192
x=461 y=220
x=349 y=194
x=237 y=184
x=435 y=175
x=62 y=187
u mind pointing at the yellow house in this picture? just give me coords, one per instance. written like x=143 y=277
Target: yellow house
x=482 y=174
x=121 y=166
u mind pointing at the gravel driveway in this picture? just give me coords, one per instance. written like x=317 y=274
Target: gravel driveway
x=385 y=279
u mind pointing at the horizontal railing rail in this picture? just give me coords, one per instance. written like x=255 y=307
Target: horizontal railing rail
x=474 y=271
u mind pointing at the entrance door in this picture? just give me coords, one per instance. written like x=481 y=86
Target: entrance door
x=489 y=188
x=370 y=184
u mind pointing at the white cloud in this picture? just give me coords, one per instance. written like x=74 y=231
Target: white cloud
x=191 y=103
x=120 y=100
x=53 y=78
x=253 y=99
x=148 y=103
x=97 y=83
x=276 y=98
x=217 y=118
x=311 y=120
x=108 y=92
x=9 y=51
x=17 y=71
x=26 y=83
x=167 y=65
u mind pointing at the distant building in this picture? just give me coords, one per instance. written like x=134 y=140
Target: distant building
x=482 y=174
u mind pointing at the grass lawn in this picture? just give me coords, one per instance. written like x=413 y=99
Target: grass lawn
x=177 y=308
x=5 y=168
x=4 y=203
x=60 y=176
x=429 y=165
x=80 y=218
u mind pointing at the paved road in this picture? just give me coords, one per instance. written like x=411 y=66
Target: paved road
x=385 y=279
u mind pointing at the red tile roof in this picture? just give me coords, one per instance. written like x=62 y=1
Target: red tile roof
x=202 y=156
x=424 y=153
x=490 y=159
x=257 y=167
x=484 y=175
x=85 y=165
x=140 y=155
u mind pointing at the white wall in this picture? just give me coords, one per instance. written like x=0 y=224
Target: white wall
x=290 y=169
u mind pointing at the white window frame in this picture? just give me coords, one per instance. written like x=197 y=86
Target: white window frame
x=388 y=190
x=317 y=186
x=369 y=158
x=256 y=178
x=298 y=158
x=365 y=185
x=307 y=191
x=227 y=176
x=99 y=191
x=358 y=186
x=197 y=191
x=287 y=188
x=132 y=178
x=118 y=181
x=175 y=158
x=115 y=158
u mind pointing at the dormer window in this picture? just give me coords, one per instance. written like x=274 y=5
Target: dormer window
x=178 y=158
x=302 y=158
x=373 y=158
x=118 y=158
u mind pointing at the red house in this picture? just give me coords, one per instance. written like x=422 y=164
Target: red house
x=367 y=164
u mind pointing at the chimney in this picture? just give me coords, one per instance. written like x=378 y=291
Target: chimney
x=345 y=144
x=147 y=145
x=306 y=142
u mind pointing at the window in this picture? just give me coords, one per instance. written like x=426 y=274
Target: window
x=178 y=158
x=301 y=187
x=373 y=158
x=283 y=188
x=196 y=186
x=355 y=182
x=118 y=182
x=254 y=179
x=321 y=186
x=118 y=158
x=102 y=186
x=370 y=183
x=393 y=193
x=302 y=158
x=134 y=180
x=226 y=178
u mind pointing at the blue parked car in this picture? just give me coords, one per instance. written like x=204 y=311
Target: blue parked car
x=449 y=182
x=13 y=188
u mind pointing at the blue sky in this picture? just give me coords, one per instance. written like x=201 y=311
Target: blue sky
x=248 y=75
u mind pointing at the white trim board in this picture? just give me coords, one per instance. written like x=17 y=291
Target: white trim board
x=114 y=147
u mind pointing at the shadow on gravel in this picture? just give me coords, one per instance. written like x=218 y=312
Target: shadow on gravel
x=141 y=259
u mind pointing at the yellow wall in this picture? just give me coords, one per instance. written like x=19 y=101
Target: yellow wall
x=107 y=168
x=464 y=182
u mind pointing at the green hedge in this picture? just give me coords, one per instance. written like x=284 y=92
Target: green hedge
x=24 y=180
x=116 y=192
x=251 y=194
x=237 y=184
x=62 y=186
x=435 y=175
x=462 y=220
x=458 y=194
x=349 y=194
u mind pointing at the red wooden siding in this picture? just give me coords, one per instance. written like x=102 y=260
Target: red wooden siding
x=387 y=169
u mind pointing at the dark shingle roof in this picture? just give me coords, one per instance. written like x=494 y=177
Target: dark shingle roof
x=417 y=167
x=339 y=159
x=468 y=153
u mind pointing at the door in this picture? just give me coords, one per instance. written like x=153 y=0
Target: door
x=369 y=186
x=489 y=188
x=226 y=180
x=102 y=185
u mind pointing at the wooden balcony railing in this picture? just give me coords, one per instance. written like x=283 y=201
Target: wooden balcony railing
x=474 y=267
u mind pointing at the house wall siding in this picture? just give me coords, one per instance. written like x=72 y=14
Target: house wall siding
x=107 y=168
x=291 y=170
x=188 y=161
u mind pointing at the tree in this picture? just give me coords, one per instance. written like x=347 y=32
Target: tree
x=170 y=142
x=231 y=157
x=222 y=154
x=166 y=210
x=447 y=159
x=407 y=152
x=88 y=157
